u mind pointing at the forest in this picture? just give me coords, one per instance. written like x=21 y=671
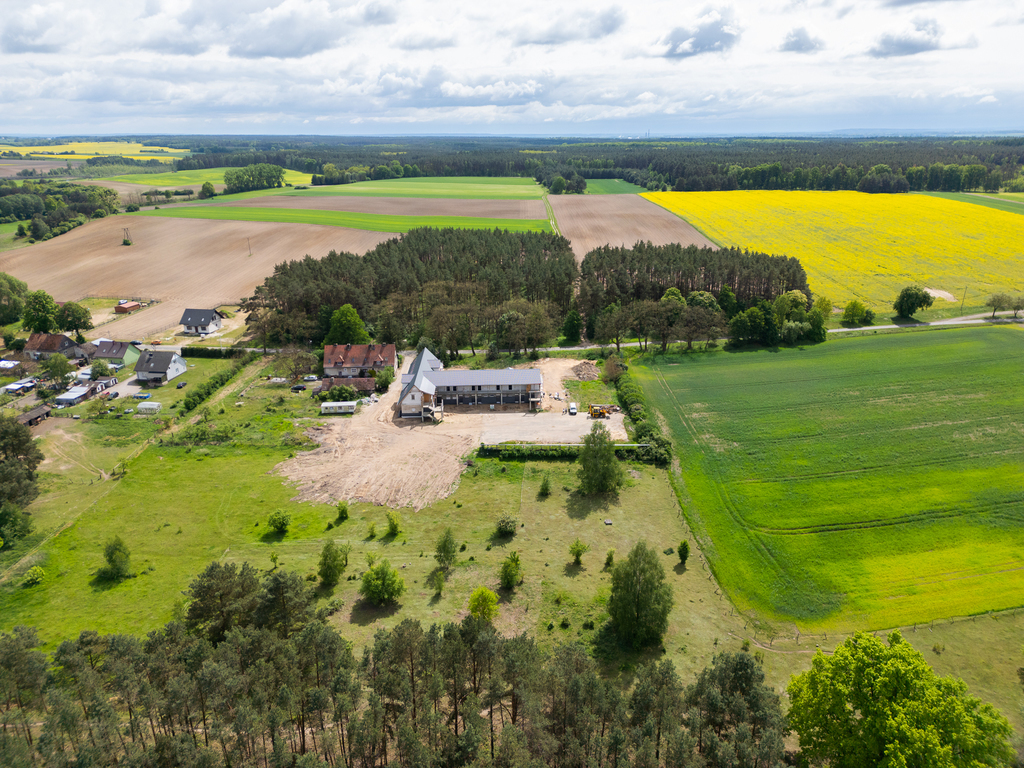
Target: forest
x=458 y=284
x=53 y=207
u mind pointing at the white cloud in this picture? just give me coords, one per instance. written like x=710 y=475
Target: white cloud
x=799 y=40
x=715 y=31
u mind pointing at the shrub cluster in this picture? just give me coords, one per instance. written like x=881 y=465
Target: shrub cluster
x=645 y=430
x=218 y=353
x=215 y=382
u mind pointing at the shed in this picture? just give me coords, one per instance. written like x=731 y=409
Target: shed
x=344 y=406
x=73 y=396
x=149 y=407
x=126 y=307
x=36 y=415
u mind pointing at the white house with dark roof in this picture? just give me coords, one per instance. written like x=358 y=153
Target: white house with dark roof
x=159 y=367
x=427 y=388
x=201 y=321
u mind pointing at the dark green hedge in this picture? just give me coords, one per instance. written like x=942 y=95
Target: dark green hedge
x=219 y=353
x=202 y=391
x=645 y=429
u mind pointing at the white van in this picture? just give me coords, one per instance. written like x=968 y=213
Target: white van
x=572 y=409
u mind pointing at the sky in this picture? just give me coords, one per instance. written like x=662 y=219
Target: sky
x=370 y=67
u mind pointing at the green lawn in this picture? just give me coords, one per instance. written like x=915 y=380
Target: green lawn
x=8 y=242
x=868 y=482
x=372 y=222
x=988 y=201
x=458 y=187
x=1018 y=196
x=189 y=178
x=612 y=187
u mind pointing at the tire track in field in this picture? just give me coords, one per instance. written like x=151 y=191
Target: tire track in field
x=719 y=488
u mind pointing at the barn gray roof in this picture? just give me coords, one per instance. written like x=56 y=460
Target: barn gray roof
x=478 y=378
x=155 y=362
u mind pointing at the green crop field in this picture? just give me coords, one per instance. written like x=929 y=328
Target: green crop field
x=456 y=187
x=189 y=178
x=612 y=187
x=988 y=201
x=373 y=222
x=871 y=482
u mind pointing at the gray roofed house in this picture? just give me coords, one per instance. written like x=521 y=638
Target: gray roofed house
x=116 y=352
x=200 y=321
x=158 y=367
x=427 y=388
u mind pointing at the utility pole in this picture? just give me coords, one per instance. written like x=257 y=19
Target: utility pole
x=963 y=300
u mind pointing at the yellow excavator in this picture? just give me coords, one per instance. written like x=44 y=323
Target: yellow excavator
x=600 y=411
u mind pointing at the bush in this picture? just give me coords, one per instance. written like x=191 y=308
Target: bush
x=436 y=581
x=545 y=486
x=445 y=551
x=381 y=584
x=394 y=523
x=371 y=531
x=578 y=549
x=507 y=524
x=118 y=558
x=684 y=551
x=511 y=571
x=34 y=576
x=483 y=604
x=342 y=511
x=279 y=521
x=332 y=563
x=609 y=559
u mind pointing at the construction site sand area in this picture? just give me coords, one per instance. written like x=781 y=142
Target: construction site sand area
x=380 y=458
x=403 y=206
x=590 y=222
x=180 y=263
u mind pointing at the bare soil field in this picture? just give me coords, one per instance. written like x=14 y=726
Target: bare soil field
x=619 y=220
x=379 y=458
x=403 y=206
x=132 y=193
x=180 y=262
x=10 y=166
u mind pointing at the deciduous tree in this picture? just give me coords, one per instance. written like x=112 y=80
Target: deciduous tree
x=381 y=584
x=911 y=299
x=446 y=550
x=347 y=327
x=40 y=313
x=879 y=704
x=999 y=302
x=73 y=317
x=483 y=604
x=640 y=599
x=599 y=470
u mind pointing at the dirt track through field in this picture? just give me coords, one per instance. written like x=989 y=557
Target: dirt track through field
x=590 y=221
x=403 y=206
x=179 y=262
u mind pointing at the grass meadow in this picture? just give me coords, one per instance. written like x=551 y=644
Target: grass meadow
x=612 y=187
x=867 y=247
x=82 y=150
x=989 y=201
x=456 y=187
x=8 y=241
x=868 y=482
x=191 y=178
x=373 y=222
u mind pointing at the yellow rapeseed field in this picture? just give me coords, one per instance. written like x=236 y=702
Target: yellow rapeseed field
x=855 y=245
x=82 y=150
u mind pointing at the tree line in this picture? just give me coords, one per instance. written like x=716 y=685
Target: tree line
x=53 y=207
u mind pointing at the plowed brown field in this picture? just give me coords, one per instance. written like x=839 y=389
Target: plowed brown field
x=180 y=262
x=403 y=206
x=590 y=221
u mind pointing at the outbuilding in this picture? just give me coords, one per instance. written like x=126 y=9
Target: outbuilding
x=148 y=408
x=343 y=406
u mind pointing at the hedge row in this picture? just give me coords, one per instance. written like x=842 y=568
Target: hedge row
x=645 y=429
x=220 y=353
x=516 y=452
x=215 y=382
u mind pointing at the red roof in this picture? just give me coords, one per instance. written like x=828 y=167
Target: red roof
x=360 y=356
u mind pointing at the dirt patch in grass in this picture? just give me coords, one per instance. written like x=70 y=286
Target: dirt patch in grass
x=940 y=294
x=619 y=220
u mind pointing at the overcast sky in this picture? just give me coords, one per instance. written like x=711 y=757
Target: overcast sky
x=518 y=66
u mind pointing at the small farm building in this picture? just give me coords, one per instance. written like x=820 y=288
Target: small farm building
x=427 y=388
x=149 y=408
x=21 y=387
x=201 y=321
x=345 y=406
x=36 y=415
x=127 y=307
x=357 y=360
x=74 y=396
x=159 y=367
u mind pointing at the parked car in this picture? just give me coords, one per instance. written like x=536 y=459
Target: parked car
x=299 y=388
x=129 y=410
x=142 y=395
x=311 y=377
x=135 y=342
x=114 y=396
x=181 y=384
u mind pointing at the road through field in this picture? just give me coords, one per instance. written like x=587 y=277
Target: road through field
x=591 y=221
x=177 y=262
